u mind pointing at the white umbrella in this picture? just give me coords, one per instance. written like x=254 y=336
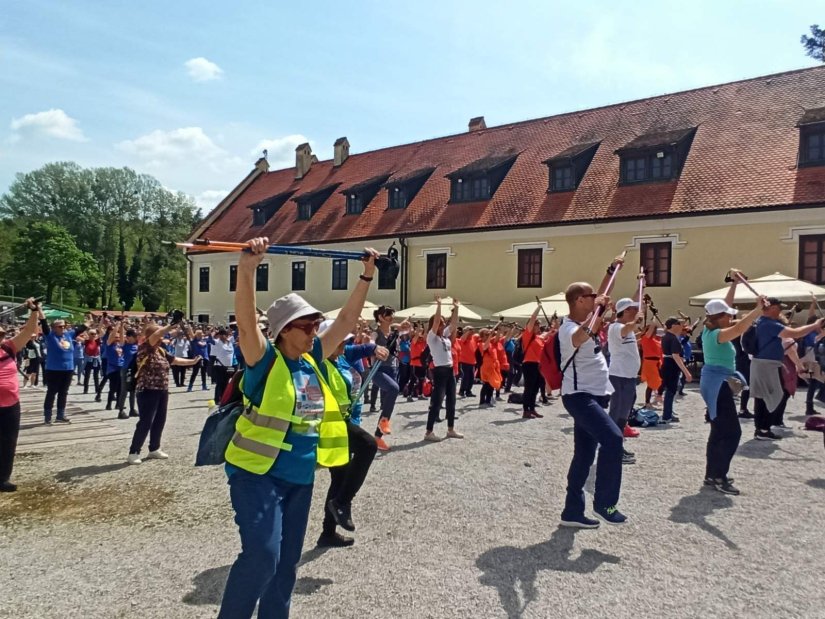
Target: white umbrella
x=781 y=286
x=366 y=313
x=466 y=311
x=552 y=304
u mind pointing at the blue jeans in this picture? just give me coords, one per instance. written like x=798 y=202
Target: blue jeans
x=272 y=519
x=384 y=379
x=592 y=428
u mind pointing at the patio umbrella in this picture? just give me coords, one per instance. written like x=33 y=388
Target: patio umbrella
x=366 y=313
x=554 y=303
x=466 y=311
x=781 y=286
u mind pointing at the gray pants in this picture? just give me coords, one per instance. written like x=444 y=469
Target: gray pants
x=121 y=396
x=622 y=399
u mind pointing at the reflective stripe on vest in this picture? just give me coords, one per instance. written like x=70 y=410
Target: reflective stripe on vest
x=337 y=384
x=260 y=434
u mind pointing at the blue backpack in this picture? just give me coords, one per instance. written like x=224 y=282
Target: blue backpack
x=643 y=418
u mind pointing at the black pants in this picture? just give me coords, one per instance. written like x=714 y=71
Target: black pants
x=725 y=433
x=91 y=369
x=200 y=367
x=743 y=366
x=221 y=374
x=57 y=385
x=9 y=429
x=513 y=377
x=127 y=387
x=467 y=378
x=152 y=405
x=104 y=365
x=346 y=481
x=486 y=395
x=443 y=386
x=404 y=375
x=179 y=374
x=763 y=418
x=114 y=387
x=416 y=384
x=531 y=385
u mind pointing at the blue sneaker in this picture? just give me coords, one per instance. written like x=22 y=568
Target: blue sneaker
x=578 y=522
x=610 y=515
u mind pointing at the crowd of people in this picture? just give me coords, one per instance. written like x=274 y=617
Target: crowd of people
x=306 y=380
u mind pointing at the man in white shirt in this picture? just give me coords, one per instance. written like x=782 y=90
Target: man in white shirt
x=624 y=366
x=585 y=392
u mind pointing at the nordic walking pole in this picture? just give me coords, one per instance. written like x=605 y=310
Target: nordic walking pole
x=597 y=312
x=546 y=319
x=744 y=281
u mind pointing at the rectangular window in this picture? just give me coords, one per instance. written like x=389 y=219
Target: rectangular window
x=203 y=279
x=231 y=317
x=661 y=167
x=355 y=204
x=655 y=258
x=635 y=169
x=529 y=268
x=339 y=274
x=258 y=217
x=812 y=258
x=562 y=178
x=299 y=275
x=233 y=277
x=436 y=271
x=471 y=189
x=385 y=280
x=398 y=197
x=304 y=210
x=262 y=278
x=203 y=319
x=813 y=147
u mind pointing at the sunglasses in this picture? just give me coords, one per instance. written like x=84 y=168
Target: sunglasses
x=592 y=295
x=307 y=327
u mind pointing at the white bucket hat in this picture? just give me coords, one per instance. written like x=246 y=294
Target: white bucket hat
x=285 y=310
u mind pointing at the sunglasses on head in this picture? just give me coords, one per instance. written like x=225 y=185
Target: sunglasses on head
x=307 y=327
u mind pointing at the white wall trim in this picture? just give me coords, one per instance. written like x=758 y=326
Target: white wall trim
x=544 y=245
x=794 y=232
x=436 y=250
x=673 y=239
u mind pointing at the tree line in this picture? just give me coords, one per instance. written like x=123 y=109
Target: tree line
x=95 y=234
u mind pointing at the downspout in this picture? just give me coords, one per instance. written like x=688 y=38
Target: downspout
x=404 y=272
x=189 y=287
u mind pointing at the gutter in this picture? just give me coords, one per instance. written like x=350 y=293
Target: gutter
x=404 y=272
x=189 y=286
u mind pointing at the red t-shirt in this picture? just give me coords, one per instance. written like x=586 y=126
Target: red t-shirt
x=532 y=345
x=468 y=349
x=503 y=362
x=456 y=350
x=9 y=387
x=92 y=348
x=416 y=348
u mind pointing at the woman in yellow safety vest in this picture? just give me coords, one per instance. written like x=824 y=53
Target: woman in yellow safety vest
x=292 y=423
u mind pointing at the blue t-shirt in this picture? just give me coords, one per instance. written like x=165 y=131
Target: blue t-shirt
x=687 y=348
x=296 y=466
x=78 y=351
x=200 y=348
x=510 y=346
x=129 y=354
x=404 y=351
x=347 y=365
x=114 y=357
x=768 y=342
x=60 y=350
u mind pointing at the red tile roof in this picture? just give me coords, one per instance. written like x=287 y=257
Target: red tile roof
x=743 y=156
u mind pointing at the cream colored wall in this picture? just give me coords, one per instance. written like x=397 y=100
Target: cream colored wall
x=481 y=267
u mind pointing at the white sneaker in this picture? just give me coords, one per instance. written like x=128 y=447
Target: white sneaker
x=157 y=455
x=134 y=459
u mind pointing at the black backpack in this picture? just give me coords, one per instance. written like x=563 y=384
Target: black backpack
x=819 y=353
x=518 y=352
x=750 y=343
x=426 y=357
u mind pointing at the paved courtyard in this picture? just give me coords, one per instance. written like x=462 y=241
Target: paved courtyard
x=455 y=529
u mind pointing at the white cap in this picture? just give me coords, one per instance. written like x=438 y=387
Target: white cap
x=718 y=306
x=623 y=304
x=285 y=310
x=327 y=324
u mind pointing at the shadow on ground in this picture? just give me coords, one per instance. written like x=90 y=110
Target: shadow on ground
x=509 y=569
x=763 y=450
x=816 y=483
x=209 y=584
x=696 y=508
x=82 y=472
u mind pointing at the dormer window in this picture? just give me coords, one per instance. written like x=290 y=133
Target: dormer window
x=812 y=138
x=360 y=195
x=479 y=180
x=401 y=190
x=263 y=211
x=569 y=167
x=310 y=202
x=655 y=156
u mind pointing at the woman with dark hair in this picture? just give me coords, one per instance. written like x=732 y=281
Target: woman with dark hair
x=490 y=368
x=292 y=423
x=718 y=385
x=384 y=378
x=532 y=343
x=200 y=348
x=439 y=339
x=10 y=393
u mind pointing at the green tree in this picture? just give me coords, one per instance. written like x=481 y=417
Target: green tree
x=88 y=281
x=815 y=44
x=123 y=287
x=134 y=285
x=46 y=257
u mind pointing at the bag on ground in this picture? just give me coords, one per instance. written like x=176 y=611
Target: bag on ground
x=643 y=418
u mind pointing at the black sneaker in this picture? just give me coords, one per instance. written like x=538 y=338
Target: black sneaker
x=47 y=422
x=334 y=540
x=133 y=413
x=766 y=435
x=7 y=486
x=97 y=398
x=342 y=514
x=122 y=415
x=628 y=453
x=610 y=515
x=62 y=420
x=628 y=459
x=675 y=419
x=578 y=522
x=725 y=486
x=745 y=414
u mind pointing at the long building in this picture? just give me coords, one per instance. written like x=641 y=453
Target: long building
x=690 y=184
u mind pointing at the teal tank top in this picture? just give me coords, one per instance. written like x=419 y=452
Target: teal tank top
x=716 y=353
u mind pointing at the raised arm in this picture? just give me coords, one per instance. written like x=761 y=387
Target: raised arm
x=437 y=320
x=531 y=322
x=28 y=331
x=735 y=330
x=617 y=263
x=732 y=290
x=454 y=320
x=250 y=338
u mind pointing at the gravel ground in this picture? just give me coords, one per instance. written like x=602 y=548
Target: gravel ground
x=455 y=529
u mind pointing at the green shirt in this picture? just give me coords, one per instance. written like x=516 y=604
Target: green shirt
x=716 y=353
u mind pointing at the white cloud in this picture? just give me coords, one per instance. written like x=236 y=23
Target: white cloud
x=53 y=123
x=202 y=70
x=280 y=151
x=209 y=199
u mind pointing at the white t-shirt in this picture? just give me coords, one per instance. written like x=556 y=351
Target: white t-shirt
x=440 y=349
x=624 y=352
x=224 y=352
x=588 y=371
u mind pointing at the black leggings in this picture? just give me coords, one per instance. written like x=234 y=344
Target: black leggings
x=346 y=481
x=763 y=418
x=443 y=385
x=179 y=374
x=486 y=395
x=531 y=385
x=152 y=404
x=725 y=433
x=468 y=371
x=57 y=385
x=114 y=387
x=91 y=369
x=9 y=429
x=200 y=367
x=404 y=376
x=221 y=374
x=416 y=384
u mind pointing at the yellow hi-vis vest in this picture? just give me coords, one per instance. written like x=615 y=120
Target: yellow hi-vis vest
x=338 y=386
x=260 y=433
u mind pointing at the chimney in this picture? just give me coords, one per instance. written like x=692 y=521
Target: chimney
x=262 y=164
x=477 y=124
x=341 y=148
x=303 y=160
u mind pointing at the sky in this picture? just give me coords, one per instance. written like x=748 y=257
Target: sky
x=192 y=92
